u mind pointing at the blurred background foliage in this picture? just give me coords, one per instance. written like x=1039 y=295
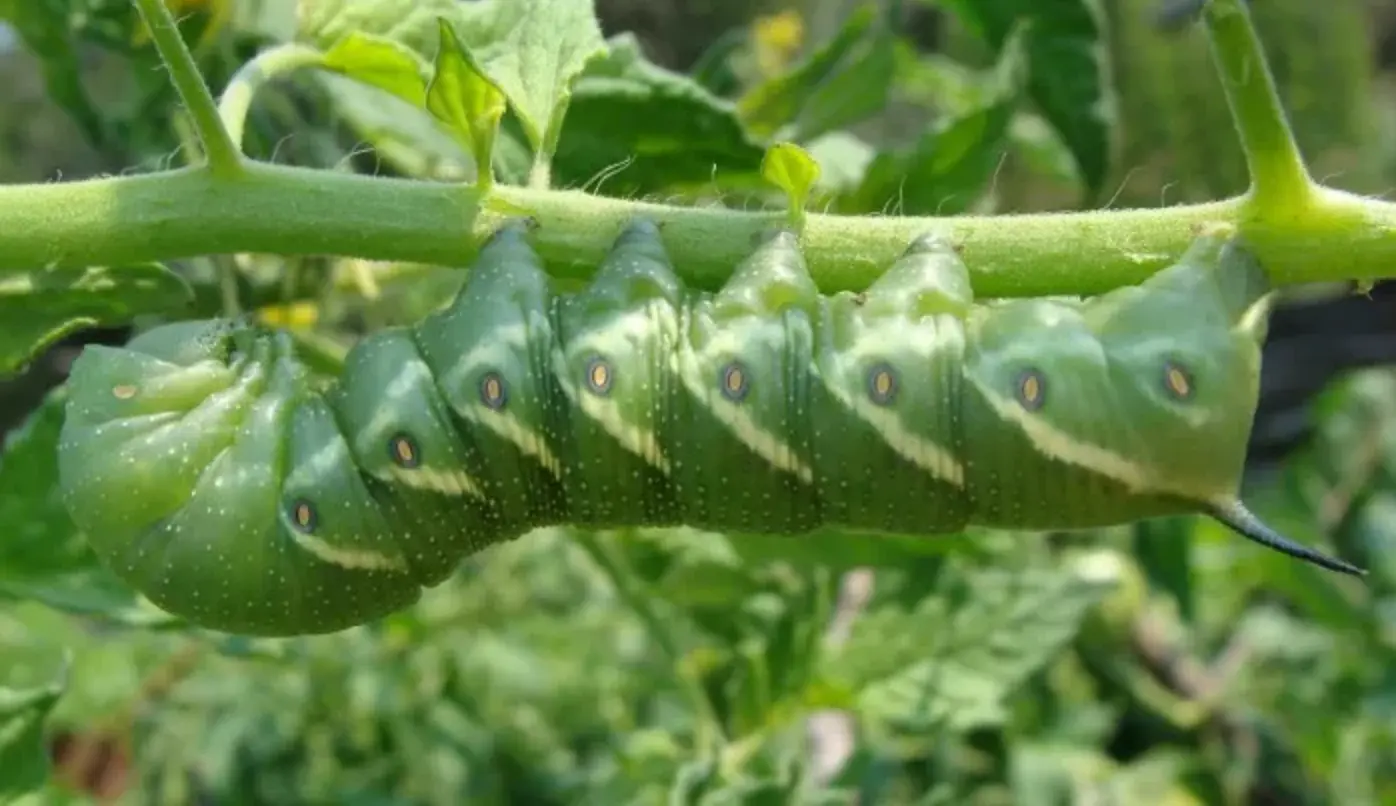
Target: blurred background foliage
x=1162 y=663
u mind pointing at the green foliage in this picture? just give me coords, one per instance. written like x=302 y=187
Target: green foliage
x=1160 y=663
x=1069 y=75
x=42 y=306
x=23 y=756
x=956 y=156
x=462 y=97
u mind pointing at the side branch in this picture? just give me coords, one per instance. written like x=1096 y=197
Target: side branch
x=253 y=75
x=1279 y=178
x=224 y=158
x=299 y=211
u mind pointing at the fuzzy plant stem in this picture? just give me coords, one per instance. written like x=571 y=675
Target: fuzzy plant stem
x=277 y=209
x=1279 y=178
x=224 y=158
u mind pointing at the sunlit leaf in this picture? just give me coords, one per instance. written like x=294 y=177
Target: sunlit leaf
x=410 y=22
x=380 y=62
x=534 y=50
x=794 y=171
x=466 y=100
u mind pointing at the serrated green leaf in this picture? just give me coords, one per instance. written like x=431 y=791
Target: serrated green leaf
x=24 y=764
x=842 y=83
x=635 y=128
x=534 y=50
x=949 y=167
x=380 y=62
x=949 y=662
x=466 y=100
x=41 y=306
x=1069 y=75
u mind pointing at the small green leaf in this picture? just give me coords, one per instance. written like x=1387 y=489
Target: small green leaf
x=949 y=167
x=381 y=62
x=461 y=96
x=409 y=138
x=40 y=307
x=844 y=82
x=24 y=763
x=532 y=50
x=793 y=170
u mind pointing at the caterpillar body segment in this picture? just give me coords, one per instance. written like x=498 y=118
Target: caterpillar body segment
x=215 y=476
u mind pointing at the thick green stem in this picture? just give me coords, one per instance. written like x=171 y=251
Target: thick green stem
x=223 y=157
x=1279 y=178
x=299 y=211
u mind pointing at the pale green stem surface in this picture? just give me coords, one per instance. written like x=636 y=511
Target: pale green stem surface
x=224 y=158
x=300 y=211
x=1279 y=178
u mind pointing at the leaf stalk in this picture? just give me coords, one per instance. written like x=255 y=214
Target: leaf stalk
x=1279 y=178
x=265 y=67
x=223 y=158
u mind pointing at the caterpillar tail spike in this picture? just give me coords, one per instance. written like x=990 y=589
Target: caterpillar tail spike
x=1241 y=520
x=211 y=470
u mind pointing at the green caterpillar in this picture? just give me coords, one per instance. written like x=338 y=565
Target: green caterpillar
x=212 y=474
